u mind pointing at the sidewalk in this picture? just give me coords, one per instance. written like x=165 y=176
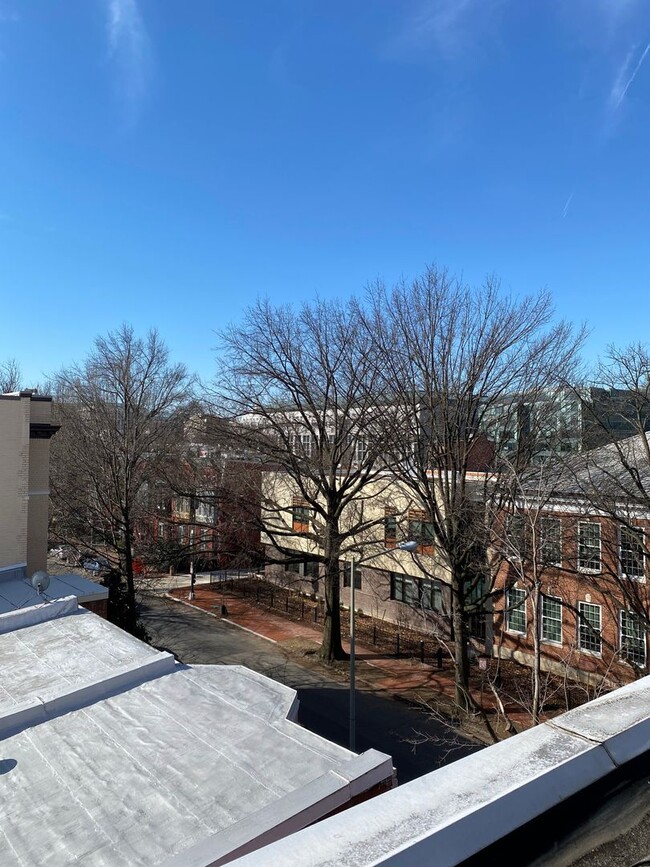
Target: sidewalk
x=406 y=679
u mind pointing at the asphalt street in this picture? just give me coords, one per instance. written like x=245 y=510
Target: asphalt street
x=383 y=723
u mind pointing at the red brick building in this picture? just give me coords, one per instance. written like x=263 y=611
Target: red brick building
x=575 y=571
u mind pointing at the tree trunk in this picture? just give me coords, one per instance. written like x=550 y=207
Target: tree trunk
x=331 y=647
x=132 y=617
x=461 y=640
x=536 y=654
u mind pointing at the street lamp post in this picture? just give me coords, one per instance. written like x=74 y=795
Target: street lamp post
x=411 y=547
x=353 y=709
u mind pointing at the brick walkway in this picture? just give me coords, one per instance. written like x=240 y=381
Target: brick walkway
x=403 y=678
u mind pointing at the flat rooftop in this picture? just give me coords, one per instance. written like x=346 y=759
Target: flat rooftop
x=113 y=753
x=16 y=591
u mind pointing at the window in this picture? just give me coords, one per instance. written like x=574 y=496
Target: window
x=360 y=450
x=390 y=528
x=589 y=628
x=424 y=592
x=552 y=619
x=205 y=511
x=161 y=530
x=516 y=610
x=181 y=533
x=300 y=443
x=516 y=536
x=589 y=546
x=309 y=569
x=402 y=588
x=421 y=531
x=550 y=542
x=430 y=595
x=347 y=575
x=633 y=647
x=631 y=546
x=183 y=505
x=306 y=444
x=301 y=515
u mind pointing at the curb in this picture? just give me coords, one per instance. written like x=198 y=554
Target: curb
x=218 y=617
x=246 y=629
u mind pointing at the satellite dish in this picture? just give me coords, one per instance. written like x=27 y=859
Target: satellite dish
x=40 y=581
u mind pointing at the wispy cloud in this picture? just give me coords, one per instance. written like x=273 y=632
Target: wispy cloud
x=129 y=50
x=565 y=209
x=448 y=28
x=439 y=21
x=624 y=77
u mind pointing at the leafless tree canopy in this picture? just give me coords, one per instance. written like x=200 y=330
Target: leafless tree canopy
x=120 y=424
x=10 y=376
x=306 y=389
x=455 y=358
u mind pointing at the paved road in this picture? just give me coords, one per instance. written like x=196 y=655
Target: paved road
x=382 y=723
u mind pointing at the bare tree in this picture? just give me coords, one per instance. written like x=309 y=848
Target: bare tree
x=10 y=376
x=120 y=425
x=457 y=361
x=526 y=544
x=307 y=391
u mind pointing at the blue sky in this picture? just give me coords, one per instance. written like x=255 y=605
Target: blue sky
x=165 y=163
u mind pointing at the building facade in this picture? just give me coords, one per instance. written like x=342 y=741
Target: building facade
x=583 y=592
x=25 y=432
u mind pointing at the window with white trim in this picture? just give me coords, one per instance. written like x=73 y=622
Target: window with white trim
x=632 y=638
x=590 y=627
x=516 y=610
x=550 y=541
x=631 y=558
x=589 y=546
x=205 y=511
x=552 y=619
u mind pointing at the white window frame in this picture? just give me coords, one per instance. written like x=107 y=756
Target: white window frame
x=621 y=640
x=544 y=618
x=588 y=569
x=582 y=623
x=512 y=606
x=635 y=531
x=306 y=444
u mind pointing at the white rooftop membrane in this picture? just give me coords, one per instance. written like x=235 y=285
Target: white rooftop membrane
x=112 y=753
x=19 y=593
